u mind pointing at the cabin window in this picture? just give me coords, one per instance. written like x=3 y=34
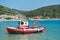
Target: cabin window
x=25 y=23
x=18 y=22
x=22 y=23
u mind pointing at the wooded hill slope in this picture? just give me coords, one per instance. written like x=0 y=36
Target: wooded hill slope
x=52 y=11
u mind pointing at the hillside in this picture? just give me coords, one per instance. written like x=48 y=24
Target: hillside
x=19 y=11
x=8 y=11
x=52 y=11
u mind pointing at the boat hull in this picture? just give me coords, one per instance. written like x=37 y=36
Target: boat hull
x=25 y=31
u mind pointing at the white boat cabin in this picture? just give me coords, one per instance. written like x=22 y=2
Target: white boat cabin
x=22 y=24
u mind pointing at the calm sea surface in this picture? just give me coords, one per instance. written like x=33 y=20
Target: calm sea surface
x=52 y=31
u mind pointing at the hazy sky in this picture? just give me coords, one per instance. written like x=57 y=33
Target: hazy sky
x=28 y=4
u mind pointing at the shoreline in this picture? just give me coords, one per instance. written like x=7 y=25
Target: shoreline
x=30 y=19
x=44 y=19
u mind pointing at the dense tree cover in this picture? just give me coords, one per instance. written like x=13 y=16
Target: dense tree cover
x=52 y=11
x=8 y=18
x=7 y=11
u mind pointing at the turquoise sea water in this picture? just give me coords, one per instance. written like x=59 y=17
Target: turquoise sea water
x=52 y=31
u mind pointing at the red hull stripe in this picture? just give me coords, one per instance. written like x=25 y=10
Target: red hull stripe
x=9 y=30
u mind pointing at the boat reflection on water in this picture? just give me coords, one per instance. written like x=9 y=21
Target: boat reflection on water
x=36 y=36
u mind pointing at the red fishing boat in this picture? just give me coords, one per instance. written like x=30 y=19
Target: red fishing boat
x=23 y=28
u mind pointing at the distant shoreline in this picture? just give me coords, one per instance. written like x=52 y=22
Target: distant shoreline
x=44 y=19
x=30 y=19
